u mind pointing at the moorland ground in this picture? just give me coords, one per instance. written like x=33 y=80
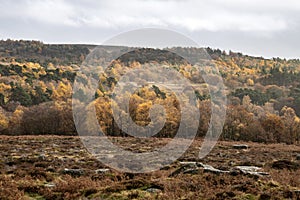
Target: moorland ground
x=59 y=167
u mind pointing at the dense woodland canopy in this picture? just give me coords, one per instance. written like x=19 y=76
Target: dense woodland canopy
x=36 y=90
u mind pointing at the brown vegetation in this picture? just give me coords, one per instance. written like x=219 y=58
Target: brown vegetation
x=33 y=167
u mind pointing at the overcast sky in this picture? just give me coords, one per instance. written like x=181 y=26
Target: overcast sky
x=267 y=28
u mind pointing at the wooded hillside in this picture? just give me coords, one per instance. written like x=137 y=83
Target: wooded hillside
x=36 y=90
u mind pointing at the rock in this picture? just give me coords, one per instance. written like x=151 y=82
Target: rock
x=50 y=169
x=186 y=168
x=42 y=156
x=209 y=168
x=189 y=164
x=73 y=172
x=262 y=174
x=292 y=194
x=153 y=190
x=285 y=164
x=250 y=170
x=101 y=171
x=298 y=157
x=49 y=185
x=193 y=168
x=297 y=193
x=240 y=146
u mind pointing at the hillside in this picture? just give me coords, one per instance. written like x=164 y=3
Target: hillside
x=36 y=89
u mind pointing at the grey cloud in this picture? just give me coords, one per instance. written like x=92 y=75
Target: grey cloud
x=267 y=28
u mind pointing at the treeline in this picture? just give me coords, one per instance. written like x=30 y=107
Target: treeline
x=244 y=121
x=38 y=52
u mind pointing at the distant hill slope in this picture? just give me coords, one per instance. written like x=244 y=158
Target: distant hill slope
x=36 y=51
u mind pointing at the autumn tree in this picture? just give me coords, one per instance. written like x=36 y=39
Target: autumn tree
x=4 y=122
x=290 y=121
x=274 y=128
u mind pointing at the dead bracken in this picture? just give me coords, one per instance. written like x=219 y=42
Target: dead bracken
x=59 y=167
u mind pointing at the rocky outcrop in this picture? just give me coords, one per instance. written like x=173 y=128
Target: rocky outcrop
x=249 y=170
x=73 y=172
x=197 y=167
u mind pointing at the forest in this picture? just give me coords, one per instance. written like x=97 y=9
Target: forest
x=263 y=95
